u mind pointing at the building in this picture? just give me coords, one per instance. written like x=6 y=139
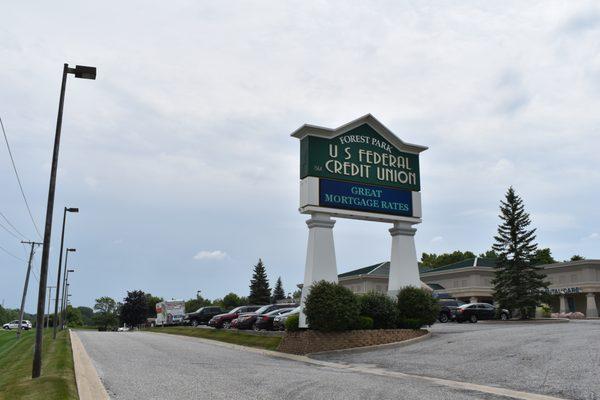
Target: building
x=574 y=285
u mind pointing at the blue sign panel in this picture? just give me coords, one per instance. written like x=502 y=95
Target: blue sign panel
x=360 y=197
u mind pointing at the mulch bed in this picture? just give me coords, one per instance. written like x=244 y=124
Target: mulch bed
x=305 y=342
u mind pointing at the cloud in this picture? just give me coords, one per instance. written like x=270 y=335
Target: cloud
x=593 y=236
x=437 y=239
x=211 y=255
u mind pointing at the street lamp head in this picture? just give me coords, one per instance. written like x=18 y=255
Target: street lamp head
x=73 y=209
x=70 y=270
x=71 y=249
x=84 y=72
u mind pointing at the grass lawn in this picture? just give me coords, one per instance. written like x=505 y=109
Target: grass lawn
x=235 y=337
x=16 y=356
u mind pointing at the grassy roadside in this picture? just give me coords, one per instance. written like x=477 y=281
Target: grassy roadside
x=234 y=337
x=16 y=356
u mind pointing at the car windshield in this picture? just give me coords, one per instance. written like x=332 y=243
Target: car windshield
x=235 y=310
x=293 y=311
x=263 y=309
x=280 y=311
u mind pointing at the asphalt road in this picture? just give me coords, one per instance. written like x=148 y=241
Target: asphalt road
x=561 y=360
x=138 y=365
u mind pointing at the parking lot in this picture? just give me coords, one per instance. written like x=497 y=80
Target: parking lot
x=561 y=359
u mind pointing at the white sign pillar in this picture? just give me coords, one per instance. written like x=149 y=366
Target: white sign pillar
x=320 y=256
x=404 y=270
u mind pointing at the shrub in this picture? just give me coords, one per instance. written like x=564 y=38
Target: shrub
x=331 y=307
x=380 y=308
x=410 y=323
x=292 y=323
x=364 y=323
x=416 y=303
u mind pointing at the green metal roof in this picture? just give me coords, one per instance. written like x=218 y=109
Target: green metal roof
x=481 y=262
x=366 y=270
x=383 y=269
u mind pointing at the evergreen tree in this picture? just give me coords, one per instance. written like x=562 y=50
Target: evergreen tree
x=278 y=292
x=518 y=283
x=260 y=292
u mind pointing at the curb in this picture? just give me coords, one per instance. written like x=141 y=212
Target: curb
x=528 y=321
x=89 y=386
x=364 y=349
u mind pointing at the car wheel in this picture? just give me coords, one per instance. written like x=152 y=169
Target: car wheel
x=504 y=317
x=255 y=328
x=443 y=318
x=194 y=323
x=473 y=319
x=226 y=325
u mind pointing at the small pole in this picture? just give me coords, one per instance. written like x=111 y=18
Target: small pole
x=49 y=299
x=62 y=302
x=22 y=310
x=62 y=241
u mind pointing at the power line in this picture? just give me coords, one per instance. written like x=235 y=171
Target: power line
x=11 y=254
x=19 y=179
x=9 y=231
x=11 y=225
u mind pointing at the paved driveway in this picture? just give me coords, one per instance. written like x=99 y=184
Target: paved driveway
x=138 y=365
x=562 y=360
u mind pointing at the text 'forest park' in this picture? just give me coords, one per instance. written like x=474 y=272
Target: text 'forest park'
x=388 y=167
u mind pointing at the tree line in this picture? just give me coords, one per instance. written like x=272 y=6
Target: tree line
x=138 y=306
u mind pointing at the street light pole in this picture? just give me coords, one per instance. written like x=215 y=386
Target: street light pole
x=63 y=311
x=58 y=317
x=21 y=311
x=58 y=275
x=79 y=72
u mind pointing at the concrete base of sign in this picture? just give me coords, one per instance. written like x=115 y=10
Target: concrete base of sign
x=563 y=304
x=404 y=270
x=320 y=256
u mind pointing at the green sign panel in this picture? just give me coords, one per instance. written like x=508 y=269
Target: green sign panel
x=359 y=155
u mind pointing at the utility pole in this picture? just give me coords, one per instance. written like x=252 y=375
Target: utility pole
x=49 y=295
x=33 y=244
x=79 y=72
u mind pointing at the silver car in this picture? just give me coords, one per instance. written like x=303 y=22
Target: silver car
x=279 y=321
x=26 y=325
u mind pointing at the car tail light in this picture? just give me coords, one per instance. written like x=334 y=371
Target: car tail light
x=265 y=318
x=459 y=310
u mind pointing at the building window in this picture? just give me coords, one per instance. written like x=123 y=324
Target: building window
x=455 y=283
x=464 y=283
x=573 y=278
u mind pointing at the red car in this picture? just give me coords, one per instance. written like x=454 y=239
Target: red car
x=224 y=320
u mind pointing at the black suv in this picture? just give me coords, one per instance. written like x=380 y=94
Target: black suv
x=202 y=315
x=448 y=309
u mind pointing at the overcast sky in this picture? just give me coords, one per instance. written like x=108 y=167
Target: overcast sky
x=179 y=154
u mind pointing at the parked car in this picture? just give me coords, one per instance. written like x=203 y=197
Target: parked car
x=247 y=320
x=279 y=321
x=448 y=309
x=474 y=312
x=202 y=315
x=26 y=325
x=224 y=320
x=265 y=321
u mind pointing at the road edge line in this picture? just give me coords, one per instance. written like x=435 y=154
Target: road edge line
x=89 y=386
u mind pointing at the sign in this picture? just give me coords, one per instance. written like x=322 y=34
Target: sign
x=360 y=197
x=570 y=290
x=360 y=155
